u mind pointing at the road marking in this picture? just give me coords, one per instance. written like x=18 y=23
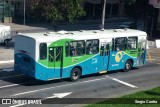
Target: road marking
x=13 y=85
x=8 y=70
x=122 y=82
x=28 y=92
x=5 y=62
x=58 y=95
x=69 y=105
x=149 y=56
x=55 y=95
x=150 y=59
x=11 y=76
x=17 y=105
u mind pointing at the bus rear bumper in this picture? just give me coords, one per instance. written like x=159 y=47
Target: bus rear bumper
x=24 y=71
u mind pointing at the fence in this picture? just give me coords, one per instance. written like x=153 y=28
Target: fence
x=6 y=12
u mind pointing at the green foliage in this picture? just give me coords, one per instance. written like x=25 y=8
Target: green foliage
x=56 y=11
x=153 y=93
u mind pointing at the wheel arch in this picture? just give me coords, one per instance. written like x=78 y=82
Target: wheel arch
x=79 y=67
x=132 y=61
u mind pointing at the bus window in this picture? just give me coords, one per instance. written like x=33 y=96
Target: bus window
x=102 y=50
x=113 y=45
x=120 y=44
x=73 y=51
x=26 y=59
x=67 y=49
x=43 y=51
x=107 y=49
x=92 y=46
x=132 y=43
x=80 y=47
x=77 y=48
x=58 y=54
x=51 y=54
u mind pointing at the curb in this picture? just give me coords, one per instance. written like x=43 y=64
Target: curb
x=5 y=62
x=158 y=43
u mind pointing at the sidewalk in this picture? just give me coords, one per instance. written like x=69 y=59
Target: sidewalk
x=6 y=55
x=19 y=27
x=46 y=26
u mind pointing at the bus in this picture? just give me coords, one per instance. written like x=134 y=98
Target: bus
x=56 y=55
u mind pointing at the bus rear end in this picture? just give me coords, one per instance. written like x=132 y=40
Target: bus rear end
x=24 y=55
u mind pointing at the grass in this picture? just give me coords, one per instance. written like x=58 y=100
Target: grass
x=153 y=93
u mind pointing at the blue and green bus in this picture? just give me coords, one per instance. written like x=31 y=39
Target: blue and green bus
x=55 y=55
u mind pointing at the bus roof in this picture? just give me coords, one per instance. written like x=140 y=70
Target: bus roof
x=81 y=35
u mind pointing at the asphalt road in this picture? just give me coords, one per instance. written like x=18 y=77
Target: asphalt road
x=117 y=83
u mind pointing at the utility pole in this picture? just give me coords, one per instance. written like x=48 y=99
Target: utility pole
x=24 y=21
x=103 y=14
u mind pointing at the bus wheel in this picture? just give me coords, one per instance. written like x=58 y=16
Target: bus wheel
x=75 y=74
x=128 y=66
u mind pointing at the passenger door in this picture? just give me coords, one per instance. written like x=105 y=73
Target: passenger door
x=56 y=60
x=117 y=56
x=104 y=55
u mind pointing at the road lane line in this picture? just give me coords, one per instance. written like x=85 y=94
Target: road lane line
x=6 y=86
x=17 y=105
x=28 y=92
x=69 y=105
x=5 y=62
x=9 y=69
x=150 y=59
x=11 y=76
x=122 y=82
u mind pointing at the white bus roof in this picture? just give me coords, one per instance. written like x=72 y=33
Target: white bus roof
x=81 y=35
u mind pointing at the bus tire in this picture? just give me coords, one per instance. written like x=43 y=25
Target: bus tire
x=75 y=74
x=127 y=66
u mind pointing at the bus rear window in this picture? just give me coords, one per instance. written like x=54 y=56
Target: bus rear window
x=43 y=51
x=26 y=59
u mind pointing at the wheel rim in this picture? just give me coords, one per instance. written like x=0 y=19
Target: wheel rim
x=75 y=75
x=128 y=66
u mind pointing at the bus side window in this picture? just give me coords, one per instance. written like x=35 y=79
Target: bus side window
x=113 y=45
x=120 y=44
x=43 y=51
x=80 y=47
x=107 y=50
x=92 y=46
x=73 y=51
x=132 y=43
x=102 y=50
x=67 y=49
x=51 y=54
x=58 y=54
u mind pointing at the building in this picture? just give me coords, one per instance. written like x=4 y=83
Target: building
x=153 y=27
x=93 y=9
x=114 y=8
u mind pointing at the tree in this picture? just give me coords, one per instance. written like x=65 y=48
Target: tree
x=57 y=11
